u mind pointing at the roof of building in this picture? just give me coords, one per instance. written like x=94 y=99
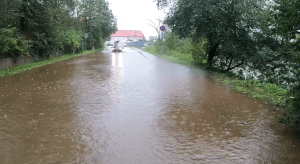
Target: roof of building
x=128 y=33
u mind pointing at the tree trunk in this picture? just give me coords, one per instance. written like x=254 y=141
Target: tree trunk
x=212 y=53
x=230 y=63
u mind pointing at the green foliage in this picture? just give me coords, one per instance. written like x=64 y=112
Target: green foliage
x=292 y=112
x=187 y=46
x=174 y=56
x=287 y=18
x=275 y=89
x=12 y=44
x=199 y=50
x=96 y=20
x=151 y=50
x=174 y=45
x=54 y=27
x=172 y=42
x=287 y=25
x=73 y=39
x=35 y=22
x=228 y=27
x=102 y=42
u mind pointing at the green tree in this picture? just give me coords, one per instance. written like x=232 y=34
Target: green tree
x=35 y=23
x=287 y=17
x=12 y=44
x=229 y=26
x=57 y=26
x=96 y=21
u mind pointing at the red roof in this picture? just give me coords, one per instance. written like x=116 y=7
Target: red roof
x=128 y=33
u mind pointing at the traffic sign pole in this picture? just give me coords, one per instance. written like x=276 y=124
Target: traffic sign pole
x=162 y=42
x=162 y=29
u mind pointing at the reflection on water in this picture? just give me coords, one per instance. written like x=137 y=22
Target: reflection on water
x=113 y=59
x=128 y=108
x=119 y=61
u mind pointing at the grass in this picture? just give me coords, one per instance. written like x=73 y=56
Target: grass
x=271 y=93
x=29 y=66
x=173 y=56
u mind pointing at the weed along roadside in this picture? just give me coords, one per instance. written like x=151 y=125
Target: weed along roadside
x=29 y=66
x=270 y=93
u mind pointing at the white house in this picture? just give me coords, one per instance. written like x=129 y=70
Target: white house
x=127 y=35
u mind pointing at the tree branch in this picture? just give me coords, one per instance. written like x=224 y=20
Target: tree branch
x=228 y=69
x=230 y=63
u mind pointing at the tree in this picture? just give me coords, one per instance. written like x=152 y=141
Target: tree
x=54 y=26
x=228 y=26
x=156 y=26
x=98 y=21
x=35 y=24
x=8 y=12
x=286 y=13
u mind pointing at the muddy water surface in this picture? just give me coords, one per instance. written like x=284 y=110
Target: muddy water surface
x=134 y=108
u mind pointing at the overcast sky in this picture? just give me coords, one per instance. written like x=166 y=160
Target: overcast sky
x=133 y=15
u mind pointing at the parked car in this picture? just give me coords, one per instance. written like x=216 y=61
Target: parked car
x=110 y=45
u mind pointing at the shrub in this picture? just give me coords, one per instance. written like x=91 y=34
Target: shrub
x=274 y=89
x=73 y=39
x=292 y=112
x=199 y=51
x=12 y=44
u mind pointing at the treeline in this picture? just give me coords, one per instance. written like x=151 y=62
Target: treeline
x=258 y=36
x=51 y=27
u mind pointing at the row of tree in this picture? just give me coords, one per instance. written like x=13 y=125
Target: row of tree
x=257 y=35
x=47 y=27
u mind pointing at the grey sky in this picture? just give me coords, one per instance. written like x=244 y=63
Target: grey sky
x=133 y=15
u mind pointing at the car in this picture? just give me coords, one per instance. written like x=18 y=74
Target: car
x=122 y=44
x=110 y=45
x=117 y=47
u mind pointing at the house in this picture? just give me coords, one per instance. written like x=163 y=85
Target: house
x=127 y=35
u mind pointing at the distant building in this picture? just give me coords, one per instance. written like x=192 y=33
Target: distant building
x=127 y=35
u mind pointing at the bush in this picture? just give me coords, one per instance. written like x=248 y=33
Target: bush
x=292 y=112
x=199 y=51
x=275 y=89
x=72 y=39
x=187 y=46
x=12 y=44
x=172 y=42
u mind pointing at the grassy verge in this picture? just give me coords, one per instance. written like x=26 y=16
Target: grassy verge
x=271 y=93
x=29 y=66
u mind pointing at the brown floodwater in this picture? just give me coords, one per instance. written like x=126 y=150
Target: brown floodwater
x=135 y=108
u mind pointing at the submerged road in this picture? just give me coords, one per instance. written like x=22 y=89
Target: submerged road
x=133 y=108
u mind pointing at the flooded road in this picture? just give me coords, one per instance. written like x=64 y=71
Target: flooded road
x=134 y=108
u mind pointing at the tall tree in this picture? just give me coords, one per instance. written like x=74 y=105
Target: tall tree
x=229 y=26
x=287 y=26
x=54 y=26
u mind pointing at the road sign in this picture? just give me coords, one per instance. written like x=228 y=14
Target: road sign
x=86 y=35
x=162 y=28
